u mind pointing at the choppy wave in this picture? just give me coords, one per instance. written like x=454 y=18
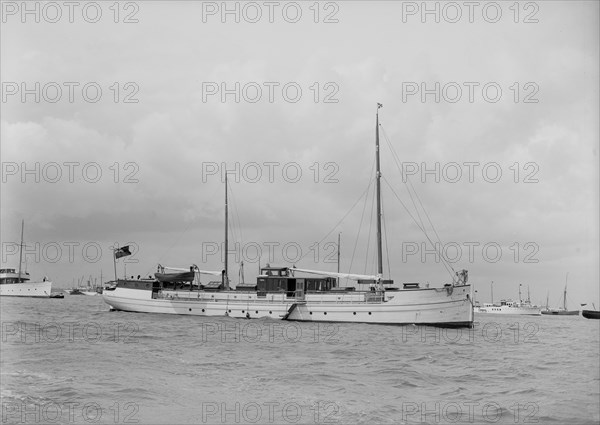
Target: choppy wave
x=74 y=354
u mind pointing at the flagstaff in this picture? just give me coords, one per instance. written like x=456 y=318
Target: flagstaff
x=118 y=253
x=115 y=261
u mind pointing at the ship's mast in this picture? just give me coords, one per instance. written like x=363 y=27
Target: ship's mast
x=378 y=176
x=225 y=271
x=565 y=293
x=338 y=257
x=338 y=252
x=21 y=249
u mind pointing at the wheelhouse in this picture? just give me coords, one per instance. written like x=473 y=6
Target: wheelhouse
x=282 y=279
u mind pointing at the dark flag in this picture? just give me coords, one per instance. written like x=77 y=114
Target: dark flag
x=122 y=252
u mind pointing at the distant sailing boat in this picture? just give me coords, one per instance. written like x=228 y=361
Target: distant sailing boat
x=13 y=284
x=279 y=293
x=92 y=287
x=561 y=311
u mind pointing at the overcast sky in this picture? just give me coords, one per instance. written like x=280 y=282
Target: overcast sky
x=491 y=109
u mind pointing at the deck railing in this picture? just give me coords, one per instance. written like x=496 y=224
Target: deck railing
x=297 y=296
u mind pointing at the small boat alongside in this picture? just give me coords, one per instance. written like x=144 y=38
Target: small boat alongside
x=177 y=277
x=17 y=283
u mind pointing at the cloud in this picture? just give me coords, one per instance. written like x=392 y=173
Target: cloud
x=162 y=140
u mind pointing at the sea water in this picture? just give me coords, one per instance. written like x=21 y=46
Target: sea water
x=72 y=360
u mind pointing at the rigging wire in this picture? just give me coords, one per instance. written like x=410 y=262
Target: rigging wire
x=235 y=216
x=237 y=223
x=369 y=235
x=445 y=263
x=366 y=196
x=387 y=251
x=234 y=229
x=405 y=179
x=339 y=221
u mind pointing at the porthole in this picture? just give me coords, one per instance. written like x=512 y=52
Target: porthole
x=189 y=309
x=325 y=313
x=354 y=313
x=369 y=313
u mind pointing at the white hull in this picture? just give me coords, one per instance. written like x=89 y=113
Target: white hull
x=432 y=306
x=522 y=311
x=26 y=289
